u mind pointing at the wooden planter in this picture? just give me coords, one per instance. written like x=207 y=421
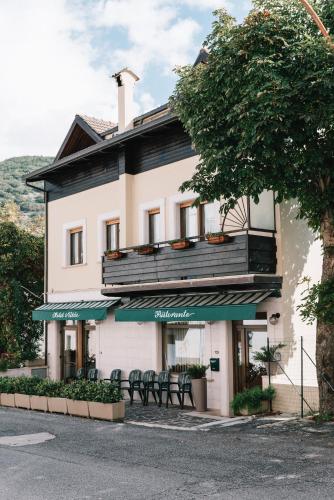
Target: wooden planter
x=22 y=401
x=57 y=405
x=180 y=245
x=39 y=403
x=145 y=250
x=218 y=239
x=199 y=390
x=78 y=408
x=116 y=255
x=110 y=411
x=7 y=399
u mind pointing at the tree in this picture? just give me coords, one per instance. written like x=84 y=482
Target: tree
x=261 y=116
x=21 y=289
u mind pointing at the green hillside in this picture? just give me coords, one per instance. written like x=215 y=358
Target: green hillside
x=12 y=186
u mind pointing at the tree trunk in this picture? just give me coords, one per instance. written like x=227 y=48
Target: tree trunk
x=325 y=332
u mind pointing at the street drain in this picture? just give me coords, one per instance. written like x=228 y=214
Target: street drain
x=26 y=439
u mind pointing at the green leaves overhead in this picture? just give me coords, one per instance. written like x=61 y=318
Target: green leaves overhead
x=261 y=112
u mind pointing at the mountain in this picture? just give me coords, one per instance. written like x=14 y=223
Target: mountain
x=13 y=188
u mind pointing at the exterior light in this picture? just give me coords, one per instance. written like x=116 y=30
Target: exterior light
x=273 y=320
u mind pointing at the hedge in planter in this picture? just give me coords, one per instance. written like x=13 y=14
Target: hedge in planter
x=252 y=401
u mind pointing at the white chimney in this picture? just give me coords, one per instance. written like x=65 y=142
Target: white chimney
x=126 y=80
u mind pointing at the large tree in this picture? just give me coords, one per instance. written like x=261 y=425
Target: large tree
x=261 y=116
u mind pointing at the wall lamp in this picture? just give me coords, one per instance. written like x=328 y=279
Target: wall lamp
x=273 y=320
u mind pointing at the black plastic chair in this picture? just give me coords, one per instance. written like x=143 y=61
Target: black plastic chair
x=134 y=384
x=161 y=385
x=148 y=382
x=92 y=375
x=115 y=377
x=184 y=387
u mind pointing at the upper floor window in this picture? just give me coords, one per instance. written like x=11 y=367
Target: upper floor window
x=112 y=234
x=76 y=247
x=209 y=218
x=200 y=220
x=154 y=225
x=189 y=221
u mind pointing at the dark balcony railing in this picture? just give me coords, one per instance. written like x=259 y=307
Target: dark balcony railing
x=243 y=254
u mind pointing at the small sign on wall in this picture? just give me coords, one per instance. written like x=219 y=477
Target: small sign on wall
x=214 y=364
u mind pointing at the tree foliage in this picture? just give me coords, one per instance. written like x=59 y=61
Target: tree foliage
x=261 y=112
x=21 y=289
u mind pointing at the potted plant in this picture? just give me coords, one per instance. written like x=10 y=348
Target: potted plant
x=269 y=356
x=76 y=394
x=199 y=385
x=55 y=392
x=25 y=388
x=105 y=401
x=252 y=401
x=114 y=254
x=145 y=249
x=39 y=400
x=217 y=238
x=180 y=244
x=7 y=390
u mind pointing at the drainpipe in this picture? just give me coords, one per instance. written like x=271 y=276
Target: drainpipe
x=46 y=274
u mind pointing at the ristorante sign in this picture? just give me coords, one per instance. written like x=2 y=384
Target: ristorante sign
x=169 y=315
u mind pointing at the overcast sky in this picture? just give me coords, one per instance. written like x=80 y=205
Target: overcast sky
x=57 y=57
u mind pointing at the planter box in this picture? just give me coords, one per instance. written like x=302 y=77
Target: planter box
x=7 y=399
x=109 y=411
x=39 y=403
x=264 y=408
x=22 y=401
x=145 y=250
x=57 y=405
x=78 y=408
x=218 y=240
x=115 y=255
x=180 y=245
x=199 y=390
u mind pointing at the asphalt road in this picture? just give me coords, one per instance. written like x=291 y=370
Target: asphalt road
x=97 y=460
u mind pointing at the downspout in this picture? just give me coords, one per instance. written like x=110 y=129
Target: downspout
x=46 y=273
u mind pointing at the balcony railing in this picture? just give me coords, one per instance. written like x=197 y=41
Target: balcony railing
x=242 y=254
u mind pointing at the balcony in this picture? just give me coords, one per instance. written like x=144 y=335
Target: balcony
x=243 y=254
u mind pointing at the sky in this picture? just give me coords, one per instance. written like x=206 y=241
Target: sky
x=57 y=58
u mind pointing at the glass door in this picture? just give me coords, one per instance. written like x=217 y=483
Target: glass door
x=90 y=347
x=69 y=350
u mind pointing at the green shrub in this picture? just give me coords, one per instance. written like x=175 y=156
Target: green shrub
x=197 y=371
x=50 y=388
x=3 y=365
x=101 y=392
x=251 y=399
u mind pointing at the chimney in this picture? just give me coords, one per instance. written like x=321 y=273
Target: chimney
x=126 y=80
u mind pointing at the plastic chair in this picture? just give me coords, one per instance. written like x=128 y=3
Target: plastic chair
x=148 y=382
x=135 y=384
x=92 y=375
x=184 y=387
x=162 y=384
x=115 y=377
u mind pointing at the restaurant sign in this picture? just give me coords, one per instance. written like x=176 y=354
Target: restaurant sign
x=69 y=314
x=162 y=315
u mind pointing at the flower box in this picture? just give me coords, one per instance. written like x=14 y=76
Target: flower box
x=22 y=401
x=145 y=250
x=217 y=239
x=57 y=405
x=78 y=408
x=114 y=255
x=7 y=399
x=39 y=403
x=180 y=245
x=107 y=411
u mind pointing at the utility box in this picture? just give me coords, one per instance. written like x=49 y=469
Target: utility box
x=214 y=364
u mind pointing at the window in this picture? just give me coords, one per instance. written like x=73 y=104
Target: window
x=154 y=225
x=76 y=256
x=209 y=218
x=112 y=234
x=262 y=214
x=189 y=224
x=183 y=345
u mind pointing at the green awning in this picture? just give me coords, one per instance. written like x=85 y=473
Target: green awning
x=83 y=310
x=236 y=305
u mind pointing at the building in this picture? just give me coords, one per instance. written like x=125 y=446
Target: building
x=116 y=187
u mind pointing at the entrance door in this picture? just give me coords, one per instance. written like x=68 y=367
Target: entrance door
x=247 y=339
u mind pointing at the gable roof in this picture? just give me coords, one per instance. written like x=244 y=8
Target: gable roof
x=99 y=126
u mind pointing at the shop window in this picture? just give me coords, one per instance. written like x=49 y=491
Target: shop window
x=183 y=345
x=112 y=234
x=76 y=247
x=154 y=225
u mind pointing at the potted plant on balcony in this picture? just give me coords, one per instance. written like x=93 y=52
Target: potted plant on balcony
x=217 y=238
x=145 y=249
x=269 y=356
x=198 y=385
x=252 y=401
x=114 y=254
x=180 y=244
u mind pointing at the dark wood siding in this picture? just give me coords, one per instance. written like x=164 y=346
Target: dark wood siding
x=169 y=145
x=83 y=175
x=245 y=254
